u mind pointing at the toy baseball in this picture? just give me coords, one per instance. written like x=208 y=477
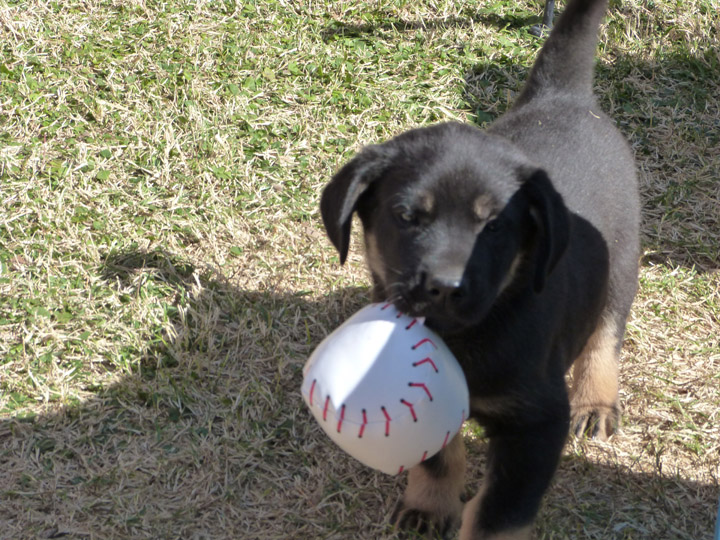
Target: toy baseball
x=386 y=389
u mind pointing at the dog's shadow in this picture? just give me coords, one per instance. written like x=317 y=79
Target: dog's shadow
x=207 y=436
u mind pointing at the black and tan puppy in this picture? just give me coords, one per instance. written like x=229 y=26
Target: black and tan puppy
x=520 y=246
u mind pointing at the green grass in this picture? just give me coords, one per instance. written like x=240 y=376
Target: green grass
x=164 y=272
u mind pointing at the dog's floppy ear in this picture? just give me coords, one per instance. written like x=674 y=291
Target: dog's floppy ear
x=340 y=196
x=552 y=219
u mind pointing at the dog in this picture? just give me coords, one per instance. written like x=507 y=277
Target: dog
x=519 y=244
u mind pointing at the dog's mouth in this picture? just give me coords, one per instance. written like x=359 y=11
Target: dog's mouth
x=446 y=326
x=440 y=318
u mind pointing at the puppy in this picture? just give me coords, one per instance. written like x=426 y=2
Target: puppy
x=520 y=247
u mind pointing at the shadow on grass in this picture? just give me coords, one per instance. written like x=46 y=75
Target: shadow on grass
x=207 y=437
x=599 y=499
x=385 y=23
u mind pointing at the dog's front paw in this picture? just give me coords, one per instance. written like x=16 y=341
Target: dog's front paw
x=596 y=421
x=431 y=505
x=437 y=522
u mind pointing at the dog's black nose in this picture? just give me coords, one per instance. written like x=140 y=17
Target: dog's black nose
x=444 y=288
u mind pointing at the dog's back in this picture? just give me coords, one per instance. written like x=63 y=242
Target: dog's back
x=557 y=122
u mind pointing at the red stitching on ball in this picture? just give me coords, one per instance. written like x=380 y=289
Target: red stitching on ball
x=387 y=421
x=386 y=306
x=362 y=427
x=402 y=468
x=427 y=360
x=412 y=323
x=422 y=342
x=342 y=417
x=325 y=409
x=424 y=456
x=312 y=389
x=412 y=409
x=423 y=386
x=447 y=436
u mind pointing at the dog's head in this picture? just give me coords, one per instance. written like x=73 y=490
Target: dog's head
x=452 y=217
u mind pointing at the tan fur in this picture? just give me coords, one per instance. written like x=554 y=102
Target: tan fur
x=524 y=533
x=510 y=276
x=438 y=496
x=426 y=202
x=469 y=532
x=496 y=406
x=483 y=206
x=373 y=257
x=594 y=390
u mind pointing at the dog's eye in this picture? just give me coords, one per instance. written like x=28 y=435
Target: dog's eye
x=406 y=216
x=493 y=225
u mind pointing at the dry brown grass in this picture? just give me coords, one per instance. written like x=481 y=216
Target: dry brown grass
x=164 y=273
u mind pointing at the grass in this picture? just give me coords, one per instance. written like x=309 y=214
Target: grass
x=164 y=273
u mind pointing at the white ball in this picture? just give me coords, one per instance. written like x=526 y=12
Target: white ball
x=386 y=389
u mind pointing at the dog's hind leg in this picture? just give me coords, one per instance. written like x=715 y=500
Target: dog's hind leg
x=594 y=393
x=431 y=503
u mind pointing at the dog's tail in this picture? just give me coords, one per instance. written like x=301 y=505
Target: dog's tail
x=567 y=60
